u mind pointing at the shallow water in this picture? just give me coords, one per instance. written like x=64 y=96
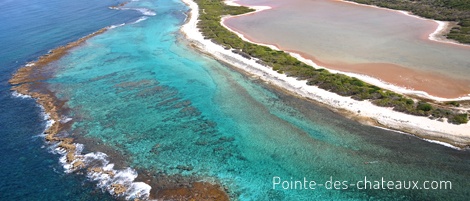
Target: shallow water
x=141 y=90
x=335 y=32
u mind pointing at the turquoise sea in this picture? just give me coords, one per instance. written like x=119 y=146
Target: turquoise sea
x=153 y=105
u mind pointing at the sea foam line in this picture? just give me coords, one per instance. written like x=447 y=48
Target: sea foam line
x=106 y=176
x=144 y=11
x=140 y=19
x=18 y=95
x=427 y=140
x=143 y=18
x=99 y=169
x=115 y=26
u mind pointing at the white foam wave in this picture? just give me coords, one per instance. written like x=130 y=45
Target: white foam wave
x=123 y=177
x=96 y=157
x=107 y=176
x=49 y=122
x=42 y=135
x=115 y=26
x=18 y=95
x=144 y=11
x=46 y=117
x=442 y=143
x=67 y=166
x=78 y=148
x=140 y=20
x=65 y=119
x=138 y=189
x=427 y=140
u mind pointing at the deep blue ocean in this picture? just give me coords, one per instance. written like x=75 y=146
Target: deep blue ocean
x=140 y=94
x=29 y=29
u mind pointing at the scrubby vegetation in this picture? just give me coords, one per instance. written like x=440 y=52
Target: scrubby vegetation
x=211 y=12
x=445 y=10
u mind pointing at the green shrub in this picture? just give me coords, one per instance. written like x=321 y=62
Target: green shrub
x=459 y=119
x=454 y=103
x=409 y=102
x=424 y=106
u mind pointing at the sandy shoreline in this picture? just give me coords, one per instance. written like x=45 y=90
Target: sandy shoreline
x=435 y=85
x=424 y=127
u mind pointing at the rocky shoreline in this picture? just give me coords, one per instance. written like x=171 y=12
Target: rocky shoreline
x=28 y=81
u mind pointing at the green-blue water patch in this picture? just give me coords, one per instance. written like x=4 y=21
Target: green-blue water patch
x=142 y=90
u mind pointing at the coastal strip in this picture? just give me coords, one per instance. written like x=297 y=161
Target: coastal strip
x=421 y=126
x=34 y=71
x=28 y=81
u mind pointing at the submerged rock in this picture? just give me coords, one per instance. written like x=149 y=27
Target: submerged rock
x=118 y=189
x=184 y=167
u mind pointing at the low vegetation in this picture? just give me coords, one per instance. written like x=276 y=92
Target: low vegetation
x=444 y=10
x=211 y=12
